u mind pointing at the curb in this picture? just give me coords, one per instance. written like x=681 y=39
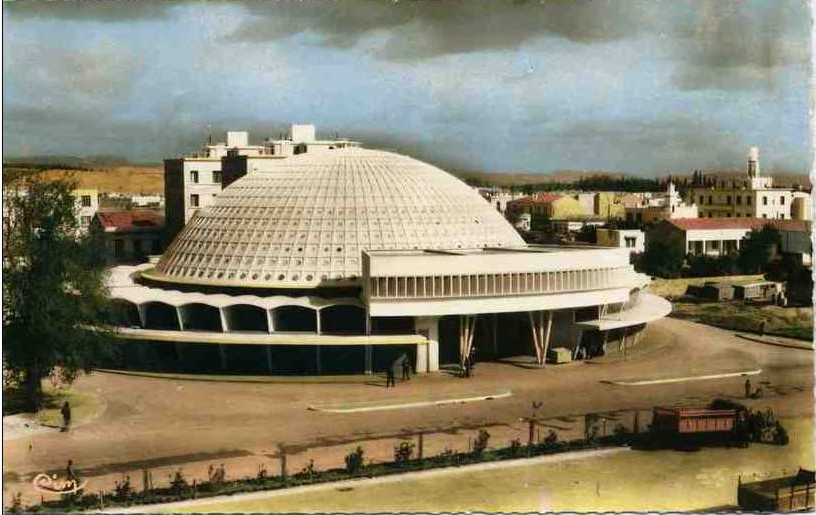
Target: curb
x=686 y=378
x=418 y=404
x=253 y=496
x=775 y=344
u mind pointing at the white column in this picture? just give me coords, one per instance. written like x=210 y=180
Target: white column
x=223 y=313
x=429 y=327
x=317 y=320
x=421 y=357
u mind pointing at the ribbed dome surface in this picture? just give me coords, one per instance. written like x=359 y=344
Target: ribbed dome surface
x=305 y=222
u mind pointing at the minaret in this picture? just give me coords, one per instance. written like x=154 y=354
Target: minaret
x=753 y=162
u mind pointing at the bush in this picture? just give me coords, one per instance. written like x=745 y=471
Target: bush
x=308 y=472
x=123 y=491
x=178 y=483
x=781 y=436
x=354 y=461
x=552 y=438
x=515 y=447
x=403 y=452
x=480 y=444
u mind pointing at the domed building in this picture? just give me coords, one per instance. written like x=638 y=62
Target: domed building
x=347 y=259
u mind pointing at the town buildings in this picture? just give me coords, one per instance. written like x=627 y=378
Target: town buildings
x=129 y=236
x=723 y=236
x=87 y=204
x=753 y=196
x=343 y=259
x=655 y=208
x=632 y=239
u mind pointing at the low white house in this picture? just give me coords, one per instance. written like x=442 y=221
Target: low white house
x=632 y=239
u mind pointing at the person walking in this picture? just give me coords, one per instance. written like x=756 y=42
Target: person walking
x=70 y=475
x=406 y=369
x=762 y=328
x=389 y=377
x=66 y=416
x=747 y=388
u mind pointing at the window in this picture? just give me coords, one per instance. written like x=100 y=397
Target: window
x=85 y=221
x=702 y=200
x=782 y=201
x=728 y=200
x=630 y=241
x=764 y=215
x=709 y=200
x=748 y=200
x=86 y=201
x=764 y=200
x=119 y=248
x=739 y=200
x=194 y=200
x=217 y=176
x=194 y=176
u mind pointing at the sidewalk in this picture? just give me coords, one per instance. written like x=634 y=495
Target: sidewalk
x=779 y=341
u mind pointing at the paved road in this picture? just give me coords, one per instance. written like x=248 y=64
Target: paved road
x=162 y=424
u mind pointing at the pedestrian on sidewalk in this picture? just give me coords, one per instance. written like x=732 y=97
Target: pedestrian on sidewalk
x=747 y=388
x=406 y=369
x=70 y=475
x=66 y=416
x=762 y=328
x=389 y=377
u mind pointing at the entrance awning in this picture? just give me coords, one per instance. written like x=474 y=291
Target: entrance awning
x=650 y=307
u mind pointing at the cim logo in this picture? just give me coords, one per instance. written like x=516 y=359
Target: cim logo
x=55 y=485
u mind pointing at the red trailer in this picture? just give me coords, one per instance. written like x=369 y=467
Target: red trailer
x=690 y=421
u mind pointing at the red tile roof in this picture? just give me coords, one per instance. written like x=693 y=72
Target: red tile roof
x=701 y=224
x=538 y=198
x=135 y=220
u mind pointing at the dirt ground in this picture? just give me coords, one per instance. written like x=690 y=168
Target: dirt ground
x=165 y=424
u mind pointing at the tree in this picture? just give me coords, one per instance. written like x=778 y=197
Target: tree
x=758 y=249
x=661 y=259
x=54 y=298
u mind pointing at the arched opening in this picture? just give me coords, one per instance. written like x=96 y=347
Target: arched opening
x=245 y=317
x=342 y=319
x=295 y=319
x=159 y=315
x=393 y=325
x=124 y=313
x=201 y=317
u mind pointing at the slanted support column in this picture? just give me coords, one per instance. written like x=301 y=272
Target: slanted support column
x=180 y=318
x=467 y=327
x=270 y=321
x=142 y=314
x=547 y=334
x=317 y=321
x=222 y=352
x=541 y=334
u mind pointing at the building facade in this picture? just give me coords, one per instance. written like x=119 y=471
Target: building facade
x=344 y=260
x=750 y=197
x=129 y=236
x=632 y=239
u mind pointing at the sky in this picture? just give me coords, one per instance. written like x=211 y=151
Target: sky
x=645 y=87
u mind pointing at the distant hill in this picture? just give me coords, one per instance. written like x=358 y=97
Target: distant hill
x=144 y=180
x=70 y=162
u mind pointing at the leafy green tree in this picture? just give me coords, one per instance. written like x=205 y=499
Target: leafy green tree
x=53 y=287
x=661 y=259
x=758 y=249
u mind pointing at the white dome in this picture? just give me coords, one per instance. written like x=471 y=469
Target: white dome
x=305 y=222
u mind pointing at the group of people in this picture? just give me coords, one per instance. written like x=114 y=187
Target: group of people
x=390 y=377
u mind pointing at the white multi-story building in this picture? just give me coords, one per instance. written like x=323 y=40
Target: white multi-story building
x=87 y=204
x=192 y=182
x=751 y=197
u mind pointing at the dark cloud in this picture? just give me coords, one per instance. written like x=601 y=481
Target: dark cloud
x=743 y=45
x=116 y=11
x=426 y=29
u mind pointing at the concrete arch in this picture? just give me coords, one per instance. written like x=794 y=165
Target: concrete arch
x=125 y=313
x=200 y=317
x=343 y=319
x=246 y=317
x=159 y=315
x=295 y=319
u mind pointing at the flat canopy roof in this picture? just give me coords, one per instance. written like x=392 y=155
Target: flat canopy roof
x=650 y=307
